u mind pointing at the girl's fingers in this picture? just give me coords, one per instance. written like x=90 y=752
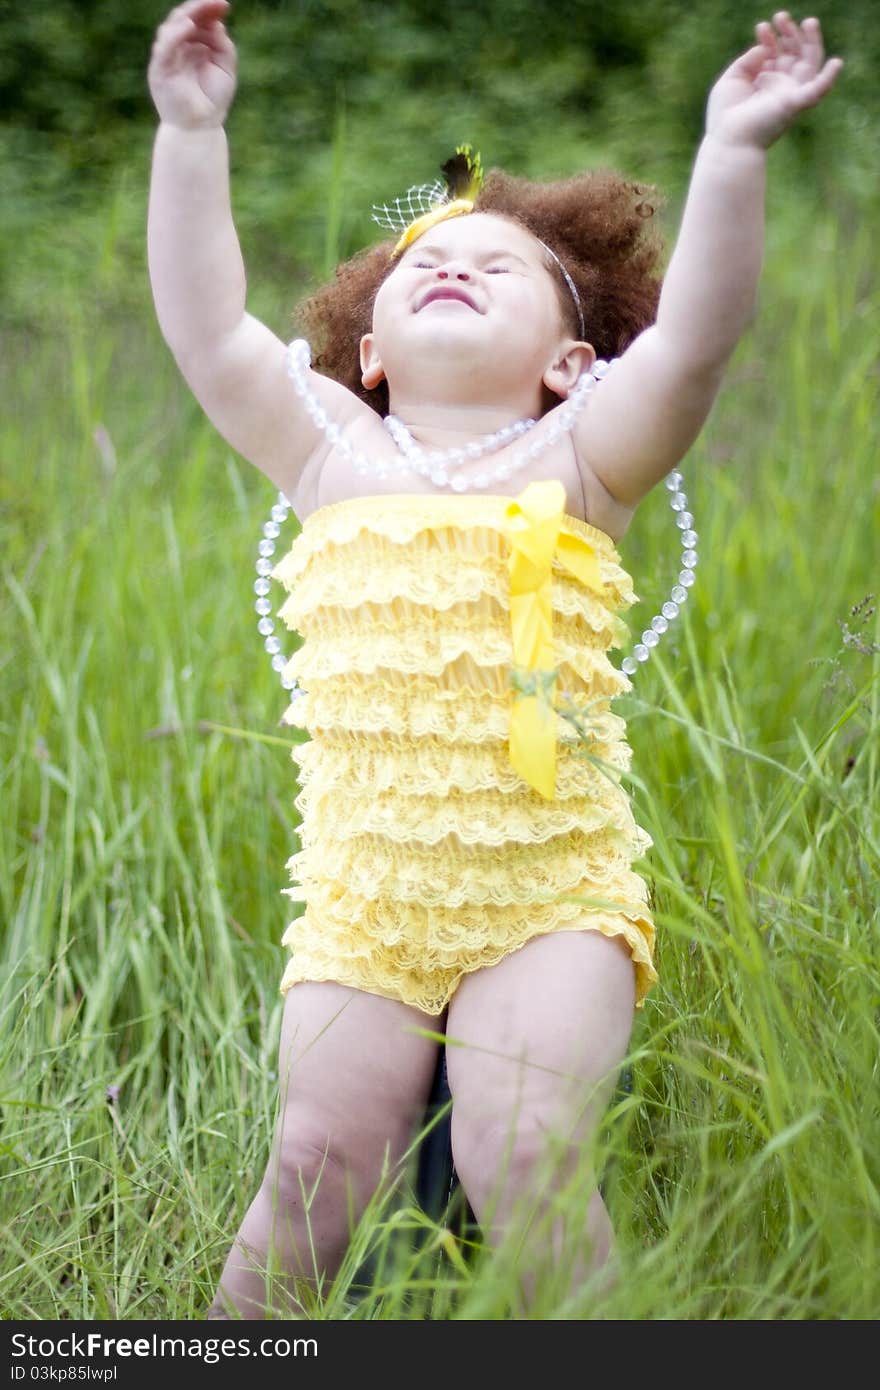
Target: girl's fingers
x=796 y=50
x=212 y=9
x=766 y=38
x=216 y=38
x=225 y=58
x=750 y=63
x=811 y=92
x=814 y=49
x=202 y=14
x=183 y=28
x=789 y=33
x=176 y=27
x=803 y=43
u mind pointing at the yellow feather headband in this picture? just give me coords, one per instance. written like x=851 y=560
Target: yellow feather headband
x=426 y=204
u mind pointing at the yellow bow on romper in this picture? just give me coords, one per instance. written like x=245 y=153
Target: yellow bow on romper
x=535 y=535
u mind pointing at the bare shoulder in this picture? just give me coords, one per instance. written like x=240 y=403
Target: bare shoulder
x=644 y=417
x=246 y=391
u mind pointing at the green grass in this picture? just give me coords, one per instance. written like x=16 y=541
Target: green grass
x=146 y=814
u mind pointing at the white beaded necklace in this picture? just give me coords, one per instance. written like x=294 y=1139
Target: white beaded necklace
x=438 y=460
x=434 y=466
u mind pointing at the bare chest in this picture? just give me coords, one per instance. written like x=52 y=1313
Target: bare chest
x=331 y=477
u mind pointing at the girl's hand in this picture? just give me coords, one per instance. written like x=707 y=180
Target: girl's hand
x=192 y=66
x=759 y=95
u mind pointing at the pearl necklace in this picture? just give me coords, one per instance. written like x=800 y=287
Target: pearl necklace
x=433 y=466
x=438 y=460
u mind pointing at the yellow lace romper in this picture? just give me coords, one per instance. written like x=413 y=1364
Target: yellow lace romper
x=449 y=813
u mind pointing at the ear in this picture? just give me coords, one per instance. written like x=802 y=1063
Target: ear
x=572 y=360
x=372 y=371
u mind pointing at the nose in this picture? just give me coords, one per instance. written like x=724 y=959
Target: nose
x=458 y=271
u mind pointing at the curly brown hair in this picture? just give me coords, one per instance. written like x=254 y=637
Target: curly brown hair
x=597 y=223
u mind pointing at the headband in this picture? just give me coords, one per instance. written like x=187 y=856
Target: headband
x=426 y=204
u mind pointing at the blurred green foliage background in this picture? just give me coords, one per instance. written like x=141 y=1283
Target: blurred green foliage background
x=344 y=102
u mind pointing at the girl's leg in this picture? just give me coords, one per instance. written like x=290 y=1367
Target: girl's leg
x=353 y=1085
x=545 y=1032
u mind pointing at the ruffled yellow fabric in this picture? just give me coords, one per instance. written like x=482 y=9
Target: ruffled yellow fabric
x=424 y=853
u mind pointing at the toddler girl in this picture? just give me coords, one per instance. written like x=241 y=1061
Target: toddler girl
x=462 y=464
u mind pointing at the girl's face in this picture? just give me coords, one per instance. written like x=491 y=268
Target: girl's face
x=474 y=291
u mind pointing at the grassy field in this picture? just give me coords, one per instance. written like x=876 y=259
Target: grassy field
x=146 y=814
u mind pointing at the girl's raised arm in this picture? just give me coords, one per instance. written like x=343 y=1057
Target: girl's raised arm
x=234 y=365
x=653 y=404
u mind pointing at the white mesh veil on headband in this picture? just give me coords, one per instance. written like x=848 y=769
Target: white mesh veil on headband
x=415 y=202
x=426 y=204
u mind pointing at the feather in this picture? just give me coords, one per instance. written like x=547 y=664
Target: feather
x=463 y=173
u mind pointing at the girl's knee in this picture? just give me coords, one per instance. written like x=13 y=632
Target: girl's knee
x=304 y=1158
x=500 y=1154
x=313 y=1154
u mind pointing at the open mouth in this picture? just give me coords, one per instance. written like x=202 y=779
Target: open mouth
x=449 y=293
